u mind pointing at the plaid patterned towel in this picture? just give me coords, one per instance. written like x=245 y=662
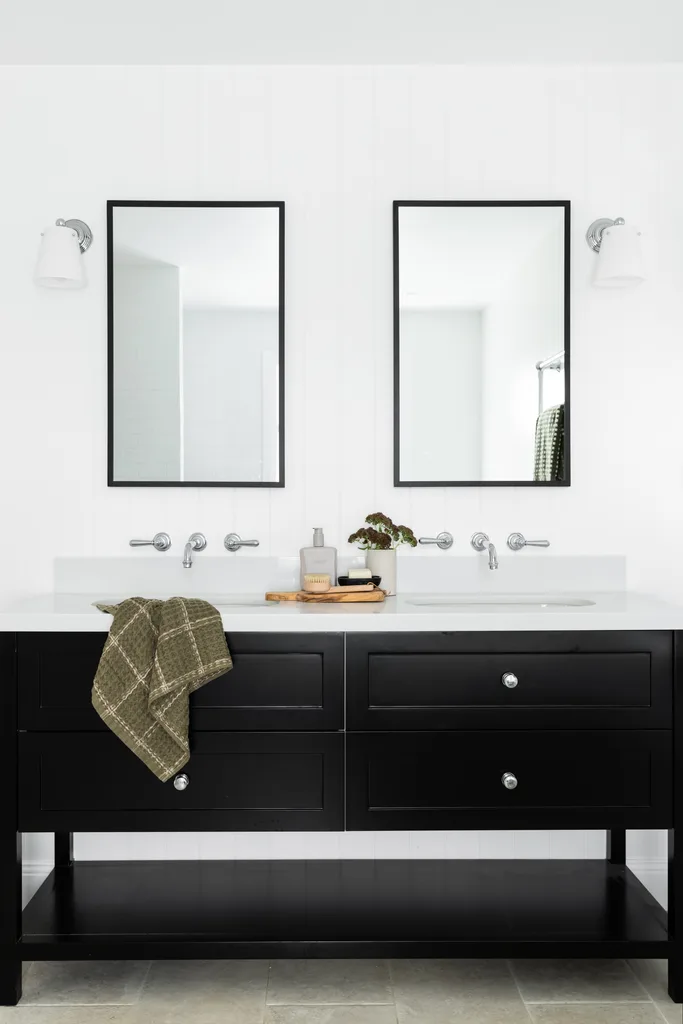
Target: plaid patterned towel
x=549 y=447
x=156 y=655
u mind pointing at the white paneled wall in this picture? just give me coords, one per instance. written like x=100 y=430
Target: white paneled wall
x=338 y=145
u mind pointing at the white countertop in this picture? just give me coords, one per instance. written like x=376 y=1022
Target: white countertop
x=63 y=613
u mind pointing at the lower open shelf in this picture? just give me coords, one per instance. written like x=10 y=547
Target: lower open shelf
x=459 y=908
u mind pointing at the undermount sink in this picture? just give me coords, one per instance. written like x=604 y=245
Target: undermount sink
x=499 y=600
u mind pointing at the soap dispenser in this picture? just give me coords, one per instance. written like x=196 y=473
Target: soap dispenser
x=319 y=559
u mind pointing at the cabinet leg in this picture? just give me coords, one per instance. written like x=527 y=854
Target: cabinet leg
x=676 y=978
x=616 y=845
x=10 y=919
x=10 y=981
x=674 y=915
x=10 y=837
x=64 y=849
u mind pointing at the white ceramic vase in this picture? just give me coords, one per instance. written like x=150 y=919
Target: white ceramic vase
x=383 y=563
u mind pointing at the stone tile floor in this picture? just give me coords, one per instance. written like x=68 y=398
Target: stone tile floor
x=346 y=992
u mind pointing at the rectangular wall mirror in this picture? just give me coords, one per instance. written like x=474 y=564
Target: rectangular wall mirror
x=196 y=344
x=481 y=343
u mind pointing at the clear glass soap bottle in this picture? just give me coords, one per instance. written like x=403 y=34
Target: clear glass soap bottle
x=319 y=559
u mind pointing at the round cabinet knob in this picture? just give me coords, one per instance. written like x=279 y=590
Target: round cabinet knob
x=510 y=680
x=509 y=780
x=181 y=782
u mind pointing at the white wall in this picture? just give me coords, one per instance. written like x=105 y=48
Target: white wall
x=223 y=384
x=441 y=400
x=522 y=326
x=147 y=372
x=338 y=144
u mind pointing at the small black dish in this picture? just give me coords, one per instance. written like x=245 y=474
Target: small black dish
x=346 y=581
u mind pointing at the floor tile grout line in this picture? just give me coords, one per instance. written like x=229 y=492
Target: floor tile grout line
x=266 y=1004
x=150 y=964
x=72 y=1006
x=589 y=1002
x=511 y=969
x=351 y=1002
x=390 y=975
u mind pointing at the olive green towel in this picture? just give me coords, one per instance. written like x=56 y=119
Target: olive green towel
x=156 y=655
x=549 y=445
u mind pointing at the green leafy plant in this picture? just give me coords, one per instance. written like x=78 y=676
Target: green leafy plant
x=381 y=534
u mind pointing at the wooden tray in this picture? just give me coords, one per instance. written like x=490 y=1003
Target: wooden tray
x=363 y=593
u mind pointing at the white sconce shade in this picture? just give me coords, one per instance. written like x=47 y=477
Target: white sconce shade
x=60 y=260
x=620 y=259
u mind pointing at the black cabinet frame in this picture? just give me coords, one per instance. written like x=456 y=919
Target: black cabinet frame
x=279 y=908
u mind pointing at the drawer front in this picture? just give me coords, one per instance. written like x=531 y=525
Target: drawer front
x=455 y=780
x=278 y=681
x=561 y=680
x=238 y=782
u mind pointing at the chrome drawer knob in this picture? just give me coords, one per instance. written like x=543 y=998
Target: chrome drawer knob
x=181 y=782
x=509 y=780
x=510 y=680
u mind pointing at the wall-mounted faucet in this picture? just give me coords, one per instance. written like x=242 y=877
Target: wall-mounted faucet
x=233 y=542
x=516 y=542
x=442 y=540
x=481 y=542
x=196 y=542
x=160 y=542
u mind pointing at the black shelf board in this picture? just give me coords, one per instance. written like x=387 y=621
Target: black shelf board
x=185 y=909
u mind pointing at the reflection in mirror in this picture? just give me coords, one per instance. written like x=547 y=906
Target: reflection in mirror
x=481 y=302
x=196 y=344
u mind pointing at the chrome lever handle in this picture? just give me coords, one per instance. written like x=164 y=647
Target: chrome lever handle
x=233 y=542
x=160 y=541
x=516 y=541
x=442 y=540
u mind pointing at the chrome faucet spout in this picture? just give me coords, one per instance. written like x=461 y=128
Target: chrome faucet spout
x=196 y=542
x=482 y=542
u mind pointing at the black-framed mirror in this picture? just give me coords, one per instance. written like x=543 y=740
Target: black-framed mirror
x=196 y=312
x=481 y=343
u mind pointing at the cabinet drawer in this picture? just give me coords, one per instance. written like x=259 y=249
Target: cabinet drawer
x=564 y=680
x=238 y=782
x=455 y=780
x=278 y=681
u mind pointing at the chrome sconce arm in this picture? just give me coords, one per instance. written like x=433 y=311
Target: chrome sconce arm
x=597 y=229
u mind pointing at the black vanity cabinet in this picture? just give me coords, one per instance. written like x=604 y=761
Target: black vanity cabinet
x=267 y=742
x=326 y=731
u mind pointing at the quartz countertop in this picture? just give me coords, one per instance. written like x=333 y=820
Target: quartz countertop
x=63 y=613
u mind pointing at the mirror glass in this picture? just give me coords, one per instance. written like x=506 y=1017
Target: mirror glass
x=481 y=343
x=196 y=344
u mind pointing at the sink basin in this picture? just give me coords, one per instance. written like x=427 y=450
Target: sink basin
x=499 y=601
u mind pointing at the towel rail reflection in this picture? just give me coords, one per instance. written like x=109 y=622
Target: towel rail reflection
x=555 y=362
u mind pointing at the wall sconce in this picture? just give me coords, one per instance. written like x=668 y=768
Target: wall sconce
x=59 y=257
x=620 y=261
